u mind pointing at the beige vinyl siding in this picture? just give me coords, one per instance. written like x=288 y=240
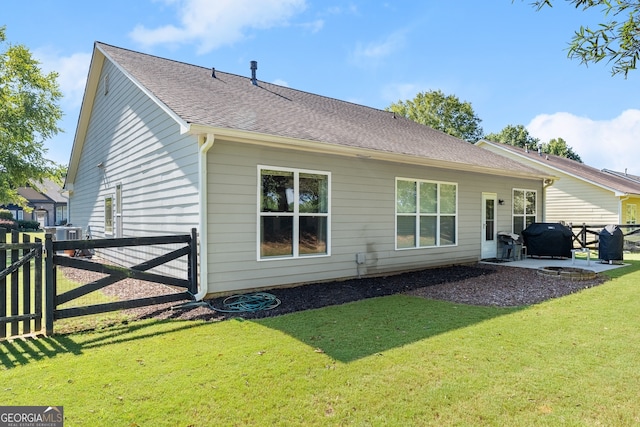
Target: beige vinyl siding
x=140 y=148
x=574 y=201
x=570 y=199
x=362 y=217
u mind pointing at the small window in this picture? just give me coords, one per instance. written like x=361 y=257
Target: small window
x=524 y=209
x=108 y=215
x=426 y=213
x=61 y=215
x=293 y=213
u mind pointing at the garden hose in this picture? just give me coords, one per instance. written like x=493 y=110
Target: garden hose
x=252 y=302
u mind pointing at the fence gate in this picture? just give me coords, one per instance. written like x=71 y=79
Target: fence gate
x=114 y=274
x=21 y=285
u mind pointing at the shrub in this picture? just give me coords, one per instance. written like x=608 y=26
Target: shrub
x=29 y=225
x=5 y=214
x=8 y=224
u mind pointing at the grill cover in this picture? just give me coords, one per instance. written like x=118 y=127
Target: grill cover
x=611 y=243
x=548 y=239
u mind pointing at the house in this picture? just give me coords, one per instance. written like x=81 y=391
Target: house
x=581 y=194
x=46 y=204
x=283 y=186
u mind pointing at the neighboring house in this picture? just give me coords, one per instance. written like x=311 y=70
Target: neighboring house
x=581 y=194
x=47 y=204
x=283 y=186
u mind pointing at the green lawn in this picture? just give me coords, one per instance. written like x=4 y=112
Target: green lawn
x=397 y=360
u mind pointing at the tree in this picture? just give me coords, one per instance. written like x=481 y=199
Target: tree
x=442 y=112
x=29 y=113
x=615 y=40
x=518 y=136
x=559 y=147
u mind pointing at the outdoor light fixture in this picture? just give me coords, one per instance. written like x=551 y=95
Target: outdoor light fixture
x=500 y=201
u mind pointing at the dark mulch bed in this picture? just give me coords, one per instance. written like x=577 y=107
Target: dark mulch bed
x=478 y=284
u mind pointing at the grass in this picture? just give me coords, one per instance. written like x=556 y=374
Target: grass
x=395 y=360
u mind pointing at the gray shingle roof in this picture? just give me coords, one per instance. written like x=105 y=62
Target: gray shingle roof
x=232 y=102
x=600 y=177
x=45 y=191
x=624 y=175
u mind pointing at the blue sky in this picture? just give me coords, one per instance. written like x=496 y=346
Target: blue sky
x=509 y=61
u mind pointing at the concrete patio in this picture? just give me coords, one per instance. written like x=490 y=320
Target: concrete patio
x=537 y=262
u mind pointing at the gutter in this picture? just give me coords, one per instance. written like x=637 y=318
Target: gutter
x=205 y=146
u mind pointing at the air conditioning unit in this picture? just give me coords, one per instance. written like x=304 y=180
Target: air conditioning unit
x=68 y=233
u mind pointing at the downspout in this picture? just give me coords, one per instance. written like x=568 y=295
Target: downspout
x=206 y=144
x=545 y=184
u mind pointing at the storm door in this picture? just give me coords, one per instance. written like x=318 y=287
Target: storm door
x=489 y=233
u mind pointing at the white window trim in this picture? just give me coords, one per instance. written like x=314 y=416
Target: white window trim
x=295 y=214
x=417 y=214
x=513 y=214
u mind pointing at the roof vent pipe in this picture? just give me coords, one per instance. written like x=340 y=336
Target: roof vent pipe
x=254 y=67
x=213 y=72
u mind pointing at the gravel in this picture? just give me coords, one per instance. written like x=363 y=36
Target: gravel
x=477 y=284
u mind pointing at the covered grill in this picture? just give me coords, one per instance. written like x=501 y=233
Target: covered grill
x=611 y=243
x=548 y=239
x=509 y=246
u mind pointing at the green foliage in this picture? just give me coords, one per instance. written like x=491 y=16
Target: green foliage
x=559 y=147
x=29 y=113
x=26 y=225
x=5 y=214
x=442 y=112
x=518 y=136
x=6 y=220
x=8 y=224
x=618 y=41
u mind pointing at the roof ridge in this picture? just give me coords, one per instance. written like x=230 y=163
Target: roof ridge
x=249 y=78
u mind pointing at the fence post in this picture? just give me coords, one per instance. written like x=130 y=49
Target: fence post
x=50 y=288
x=193 y=262
x=15 y=285
x=39 y=288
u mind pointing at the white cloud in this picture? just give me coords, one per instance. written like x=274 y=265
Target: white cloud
x=220 y=23
x=379 y=50
x=603 y=144
x=72 y=73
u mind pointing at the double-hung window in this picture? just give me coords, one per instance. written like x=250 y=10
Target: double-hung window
x=426 y=213
x=524 y=209
x=294 y=213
